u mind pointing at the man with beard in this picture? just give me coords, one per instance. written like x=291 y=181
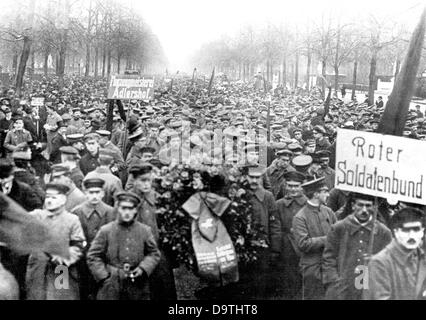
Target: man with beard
x=162 y=283
x=288 y=206
x=265 y=214
x=93 y=214
x=398 y=272
x=279 y=167
x=310 y=228
x=43 y=269
x=124 y=254
x=347 y=248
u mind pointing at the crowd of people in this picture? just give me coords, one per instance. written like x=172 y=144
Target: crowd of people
x=92 y=170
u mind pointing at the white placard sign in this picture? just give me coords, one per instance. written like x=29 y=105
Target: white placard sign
x=37 y=101
x=386 y=166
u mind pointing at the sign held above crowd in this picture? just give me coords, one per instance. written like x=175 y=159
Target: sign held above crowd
x=131 y=87
x=381 y=165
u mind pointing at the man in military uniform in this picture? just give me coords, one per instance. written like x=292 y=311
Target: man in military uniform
x=43 y=269
x=324 y=169
x=105 y=143
x=293 y=201
x=347 y=248
x=265 y=214
x=93 y=214
x=279 y=167
x=162 y=283
x=310 y=228
x=124 y=254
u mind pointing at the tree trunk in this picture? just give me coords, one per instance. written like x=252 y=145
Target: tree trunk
x=354 y=80
x=32 y=62
x=15 y=62
x=109 y=63
x=308 y=70
x=267 y=70
x=336 y=79
x=96 y=60
x=398 y=66
x=372 y=77
x=296 y=71
x=324 y=74
x=87 y=72
x=57 y=64
x=118 y=63
x=103 y=62
x=22 y=64
x=284 y=77
x=46 y=63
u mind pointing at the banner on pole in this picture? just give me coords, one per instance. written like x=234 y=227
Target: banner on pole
x=131 y=87
x=37 y=101
x=385 y=166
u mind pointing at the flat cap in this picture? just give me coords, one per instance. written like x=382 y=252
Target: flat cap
x=319 y=129
x=103 y=133
x=295 y=176
x=93 y=183
x=68 y=150
x=59 y=187
x=127 y=196
x=302 y=161
x=316 y=184
x=59 y=170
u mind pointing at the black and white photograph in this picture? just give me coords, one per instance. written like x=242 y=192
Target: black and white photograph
x=219 y=153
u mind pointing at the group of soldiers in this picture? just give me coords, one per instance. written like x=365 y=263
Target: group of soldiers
x=95 y=185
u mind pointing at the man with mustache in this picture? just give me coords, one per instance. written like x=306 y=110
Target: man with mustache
x=347 y=247
x=398 y=272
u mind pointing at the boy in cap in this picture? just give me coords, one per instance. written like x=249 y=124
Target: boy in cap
x=58 y=141
x=398 y=272
x=43 y=269
x=310 y=228
x=70 y=157
x=322 y=142
x=347 y=246
x=290 y=203
x=89 y=161
x=105 y=143
x=324 y=169
x=93 y=214
x=16 y=137
x=124 y=254
x=62 y=174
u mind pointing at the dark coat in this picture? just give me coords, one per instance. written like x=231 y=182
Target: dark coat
x=27 y=197
x=115 y=245
x=58 y=141
x=347 y=244
x=88 y=163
